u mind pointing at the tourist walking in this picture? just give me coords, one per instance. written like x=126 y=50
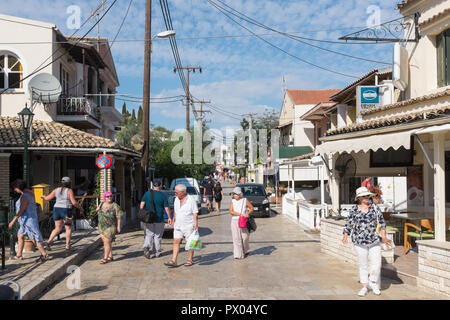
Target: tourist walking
x=185 y=222
x=156 y=200
x=26 y=214
x=62 y=210
x=109 y=223
x=208 y=194
x=362 y=223
x=218 y=195
x=240 y=207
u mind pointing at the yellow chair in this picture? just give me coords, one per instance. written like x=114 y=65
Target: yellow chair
x=425 y=231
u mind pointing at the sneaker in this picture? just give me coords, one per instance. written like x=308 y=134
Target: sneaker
x=363 y=292
x=147 y=253
x=374 y=288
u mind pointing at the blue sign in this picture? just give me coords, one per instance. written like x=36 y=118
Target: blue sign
x=367 y=97
x=370 y=95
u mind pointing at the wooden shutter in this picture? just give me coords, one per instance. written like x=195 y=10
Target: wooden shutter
x=440 y=42
x=447 y=57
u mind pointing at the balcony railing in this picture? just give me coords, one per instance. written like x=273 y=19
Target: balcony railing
x=78 y=106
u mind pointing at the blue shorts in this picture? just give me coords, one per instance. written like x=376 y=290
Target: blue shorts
x=61 y=213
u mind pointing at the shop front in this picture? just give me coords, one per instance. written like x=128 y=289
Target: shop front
x=408 y=160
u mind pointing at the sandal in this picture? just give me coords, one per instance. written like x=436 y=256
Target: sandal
x=104 y=261
x=110 y=259
x=48 y=247
x=170 y=263
x=188 y=263
x=42 y=258
x=17 y=258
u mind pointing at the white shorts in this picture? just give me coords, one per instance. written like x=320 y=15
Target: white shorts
x=180 y=232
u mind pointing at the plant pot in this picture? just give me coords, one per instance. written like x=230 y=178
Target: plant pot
x=28 y=246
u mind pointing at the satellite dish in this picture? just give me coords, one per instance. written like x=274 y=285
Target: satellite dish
x=44 y=88
x=137 y=142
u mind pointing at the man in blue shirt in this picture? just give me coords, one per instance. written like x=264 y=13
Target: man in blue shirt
x=154 y=231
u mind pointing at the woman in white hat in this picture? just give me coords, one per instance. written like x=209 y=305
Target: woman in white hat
x=363 y=223
x=62 y=210
x=240 y=207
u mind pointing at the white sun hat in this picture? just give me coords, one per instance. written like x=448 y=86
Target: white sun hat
x=237 y=190
x=363 y=191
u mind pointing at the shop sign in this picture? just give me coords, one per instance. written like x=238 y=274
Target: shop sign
x=367 y=97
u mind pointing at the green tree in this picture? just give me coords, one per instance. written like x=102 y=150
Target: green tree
x=133 y=115
x=124 y=109
x=140 y=114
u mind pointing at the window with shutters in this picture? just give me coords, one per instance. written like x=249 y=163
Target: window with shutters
x=11 y=72
x=443 y=58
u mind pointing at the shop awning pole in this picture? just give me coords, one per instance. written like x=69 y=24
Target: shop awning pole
x=424 y=152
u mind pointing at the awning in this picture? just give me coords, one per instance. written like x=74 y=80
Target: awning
x=433 y=129
x=374 y=142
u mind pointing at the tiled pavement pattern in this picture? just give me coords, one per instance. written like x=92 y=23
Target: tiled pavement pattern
x=285 y=263
x=29 y=270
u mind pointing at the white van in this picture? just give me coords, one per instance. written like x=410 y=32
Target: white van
x=193 y=188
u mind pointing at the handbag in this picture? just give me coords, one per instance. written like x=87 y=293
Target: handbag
x=251 y=224
x=148 y=216
x=243 y=220
x=384 y=246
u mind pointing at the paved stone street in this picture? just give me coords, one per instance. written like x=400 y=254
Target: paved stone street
x=285 y=263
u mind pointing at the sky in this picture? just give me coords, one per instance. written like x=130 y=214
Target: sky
x=240 y=74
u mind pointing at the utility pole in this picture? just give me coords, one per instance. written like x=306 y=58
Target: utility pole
x=201 y=111
x=250 y=139
x=146 y=93
x=188 y=95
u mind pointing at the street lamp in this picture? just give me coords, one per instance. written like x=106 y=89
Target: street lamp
x=161 y=35
x=26 y=119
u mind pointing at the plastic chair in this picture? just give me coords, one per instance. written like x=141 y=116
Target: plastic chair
x=425 y=231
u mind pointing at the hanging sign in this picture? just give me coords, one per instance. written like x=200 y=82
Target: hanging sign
x=367 y=97
x=104 y=161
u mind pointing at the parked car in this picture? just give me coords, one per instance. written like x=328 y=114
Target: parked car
x=258 y=197
x=191 y=191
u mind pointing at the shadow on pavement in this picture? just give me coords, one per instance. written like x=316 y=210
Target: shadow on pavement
x=86 y=291
x=211 y=258
x=265 y=251
x=204 y=231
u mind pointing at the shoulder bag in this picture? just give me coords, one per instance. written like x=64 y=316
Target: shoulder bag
x=148 y=216
x=243 y=220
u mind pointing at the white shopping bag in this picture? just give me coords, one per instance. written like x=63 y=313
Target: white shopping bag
x=193 y=242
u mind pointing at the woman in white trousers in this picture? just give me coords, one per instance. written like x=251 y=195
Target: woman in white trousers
x=363 y=223
x=238 y=207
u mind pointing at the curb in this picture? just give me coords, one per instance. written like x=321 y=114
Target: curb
x=36 y=287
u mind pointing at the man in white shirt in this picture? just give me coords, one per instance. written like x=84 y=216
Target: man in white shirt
x=185 y=222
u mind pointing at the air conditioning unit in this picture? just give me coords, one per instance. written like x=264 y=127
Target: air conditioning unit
x=386 y=91
x=400 y=67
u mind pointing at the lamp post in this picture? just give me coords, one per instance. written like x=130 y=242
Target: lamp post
x=26 y=119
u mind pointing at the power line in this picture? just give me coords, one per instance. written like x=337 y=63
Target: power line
x=282 y=50
x=121 y=25
x=244 y=17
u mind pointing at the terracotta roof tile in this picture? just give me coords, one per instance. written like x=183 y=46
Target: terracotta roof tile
x=407 y=102
x=392 y=120
x=435 y=17
x=52 y=134
x=403 y=3
x=311 y=96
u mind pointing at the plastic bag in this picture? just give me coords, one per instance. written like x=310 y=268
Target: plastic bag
x=193 y=242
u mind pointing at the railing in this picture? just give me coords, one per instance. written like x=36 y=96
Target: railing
x=304 y=213
x=78 y=106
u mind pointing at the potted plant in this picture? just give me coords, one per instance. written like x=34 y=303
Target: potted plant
x=28 y=245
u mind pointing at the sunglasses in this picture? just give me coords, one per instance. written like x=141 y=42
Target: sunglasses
x=109 y=197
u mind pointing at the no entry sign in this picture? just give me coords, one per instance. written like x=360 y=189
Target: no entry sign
x=104 y=161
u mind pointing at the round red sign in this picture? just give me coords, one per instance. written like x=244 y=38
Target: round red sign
x=104 y=161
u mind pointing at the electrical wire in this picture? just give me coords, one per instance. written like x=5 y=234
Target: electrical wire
x=121 y=25
x=281 y=49
x=248 y=19
x=66 y=52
